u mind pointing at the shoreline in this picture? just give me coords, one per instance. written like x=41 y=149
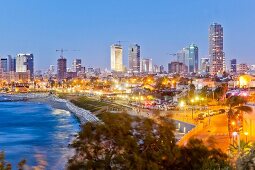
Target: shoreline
x=83 y=115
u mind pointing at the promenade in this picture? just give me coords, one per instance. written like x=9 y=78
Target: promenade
x=213 y=130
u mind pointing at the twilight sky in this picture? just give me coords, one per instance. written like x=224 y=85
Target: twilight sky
x=91 y=26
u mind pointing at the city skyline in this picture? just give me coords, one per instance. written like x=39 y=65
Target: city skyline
x=159 y=33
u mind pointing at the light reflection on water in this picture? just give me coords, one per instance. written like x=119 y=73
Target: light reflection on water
x=37 y=133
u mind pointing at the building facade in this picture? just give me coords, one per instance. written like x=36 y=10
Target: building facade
x=146 y=66
x=116 y=58
x=11 y=63
x=24 y=63
x=216 y=54
x=176 y=67
x=192 y=56
x=233 y=66
x=4 y=64
x=134 y=58
x=76 y=65
x=204 y=65
x=62 y=70
x=242 y=68
x=189 y=57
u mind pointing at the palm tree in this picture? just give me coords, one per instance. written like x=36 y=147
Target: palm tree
x=235 y=113
x=240 y=149
x=247 y=160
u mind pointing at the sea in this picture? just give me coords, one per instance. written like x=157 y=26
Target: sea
x=37 y=133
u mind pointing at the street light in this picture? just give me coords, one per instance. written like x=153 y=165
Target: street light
x=192 y=101
x=197 y=98
x=246 y=135
x=182 y=104
x=235 y=134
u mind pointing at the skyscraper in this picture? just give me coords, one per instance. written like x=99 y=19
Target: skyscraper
x=116 y=58
x=3 y=64
x=11 y=63
x=181 y=57
x=189 y=57
x=24 y=63
x=61 y=73
x=192 y=56
x=216 y=54
x=77 y=65
x=134 y=58
x=146 y=65
x=204 y=65
x=233 y=66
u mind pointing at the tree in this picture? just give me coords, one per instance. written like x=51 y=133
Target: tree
x=192 y=90
x=195 y=155
x=240 y=149
x=129 y=142
x=247 y=160
x=126 y=145
x=3 y=164
x=203 y=92
x=235 y=113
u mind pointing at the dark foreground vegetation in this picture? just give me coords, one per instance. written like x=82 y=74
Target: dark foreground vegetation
x=128 y=142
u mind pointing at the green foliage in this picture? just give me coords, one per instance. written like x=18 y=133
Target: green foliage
x=235 y=113
x=192 y=90
x=241 y=150
x=89 y=104
x=203 y=92
x=7 y=166
x=197 y=156
x=128 y=142
x=220 y=92
x=3 y=164
x=247 y=160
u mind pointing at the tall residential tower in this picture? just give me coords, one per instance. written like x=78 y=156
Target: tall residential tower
x=134 y=62
x=116 y=58
x=216 y=54
x=61 y=73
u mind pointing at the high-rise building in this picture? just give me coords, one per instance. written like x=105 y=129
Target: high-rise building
x=3 y=64
x=233 y=66
x=24 y=63
x=76 y=65
x=242 y=68
x=181 y=57
x=134 y=58
x=191 y=53
x=177 y=67
x=116 y=58
x=216 y=54
x=155 y=69
x=62 y=70
x=146 y=65
x=204 y=65
x=189 y=57
x=11 y=63
x=161 y=69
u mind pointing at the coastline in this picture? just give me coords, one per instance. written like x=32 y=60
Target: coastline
x=83 y=115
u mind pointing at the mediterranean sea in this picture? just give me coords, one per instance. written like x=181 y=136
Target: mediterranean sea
x=37 y=133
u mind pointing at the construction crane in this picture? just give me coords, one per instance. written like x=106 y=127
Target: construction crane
x=172 y=54
x=63 y=50
x=119 y=42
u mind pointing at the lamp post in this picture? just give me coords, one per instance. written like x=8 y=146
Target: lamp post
x=192 y=101
x=235 y=134
x=246 y=135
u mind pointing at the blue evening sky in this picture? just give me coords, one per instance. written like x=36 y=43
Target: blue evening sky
x=91 y=26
